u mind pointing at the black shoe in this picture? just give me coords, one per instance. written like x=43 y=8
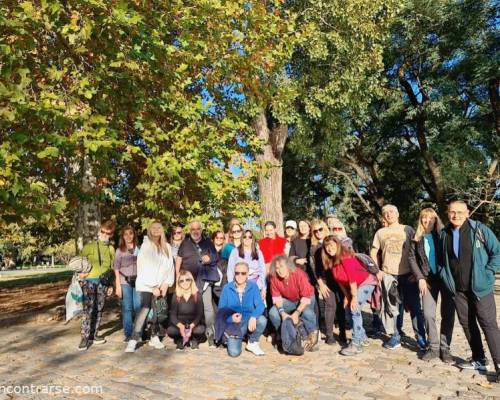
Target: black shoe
x=84 y=345
x=430 y=355
x=446 y=357
x=180 y=346
x=98 y=340
x=330 y=340
x=497 y=373
x=480 y=365
x=126 y=339
x=194 y=345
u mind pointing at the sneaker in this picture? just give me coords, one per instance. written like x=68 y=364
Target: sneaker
x=253 y=347
x=422 y=344
x=180 y=345
x=480 y=365
x=131 y=346
x=194 y=345
x=156 y=343
x=429 y=355
x=446 y=357
x=351 y=350
x=98 y=340
x=365 y=343
x=84 y=345
x=392 y=343
x=497 y=374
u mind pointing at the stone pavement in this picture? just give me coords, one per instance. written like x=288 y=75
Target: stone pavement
x=44 y=353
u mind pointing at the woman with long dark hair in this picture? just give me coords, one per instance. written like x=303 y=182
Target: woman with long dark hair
x=248 y=252
x=125 y=266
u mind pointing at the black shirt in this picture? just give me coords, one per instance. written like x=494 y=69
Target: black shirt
x=461 y=267
x=191 y=254
x=187 y=312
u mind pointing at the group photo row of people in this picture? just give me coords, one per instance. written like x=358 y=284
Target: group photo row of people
x=228 y=288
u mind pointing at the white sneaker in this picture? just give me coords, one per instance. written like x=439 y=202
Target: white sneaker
x=131 y=346
x=254 y=348
x=155 y=342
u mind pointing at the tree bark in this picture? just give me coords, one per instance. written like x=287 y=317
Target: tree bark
x=270 y=177
x=88 y=215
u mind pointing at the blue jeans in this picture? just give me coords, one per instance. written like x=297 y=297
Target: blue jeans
x=131 y=304
x=356 y=318
x=410 y=296
x=234 y=344
x=289 y=306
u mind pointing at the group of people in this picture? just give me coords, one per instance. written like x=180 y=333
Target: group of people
x=231 y=287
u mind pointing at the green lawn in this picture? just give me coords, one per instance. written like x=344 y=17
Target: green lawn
x=33 y=279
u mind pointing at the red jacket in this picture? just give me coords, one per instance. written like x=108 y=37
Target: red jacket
x=272 y=247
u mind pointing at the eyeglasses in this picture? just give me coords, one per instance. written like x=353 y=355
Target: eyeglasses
x=178 y=233
x=248 y=237
x=242 y=273
x=318 y=230
x=236 y=231
x=189 y=280
x=106 y=232
x=219 y=238
x=337 y=228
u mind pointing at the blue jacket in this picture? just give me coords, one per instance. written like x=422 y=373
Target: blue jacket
x=485 y=259
x=252 y=304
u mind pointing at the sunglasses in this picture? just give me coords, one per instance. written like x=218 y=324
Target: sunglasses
x=242 y=273
x=236 y=231
x=219 y=237
x=337 y=228
x=318 y=230
x=185 y=280
x=178 y=233
x=290 y=227
x=248 y=237
x=106 y=232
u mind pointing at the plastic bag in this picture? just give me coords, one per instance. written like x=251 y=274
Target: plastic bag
x=74 y=300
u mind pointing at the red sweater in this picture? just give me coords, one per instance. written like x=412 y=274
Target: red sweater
x=295 y=288
x=350 y=270
x=272 y=247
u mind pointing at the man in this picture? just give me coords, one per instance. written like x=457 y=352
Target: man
x=293 y=297
x=470 y=256
x=272 y=245
x=244 y=299
x=393 y=242
x=100 y=255
x=197 y=255
x=331 y=219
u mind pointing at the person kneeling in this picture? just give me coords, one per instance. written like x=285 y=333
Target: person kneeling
x=293 y=297
x=241 y=301
x=186 y=313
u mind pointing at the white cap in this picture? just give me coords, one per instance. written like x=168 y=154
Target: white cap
x=291 y=224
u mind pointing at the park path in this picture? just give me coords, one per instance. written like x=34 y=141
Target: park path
x=44 y=353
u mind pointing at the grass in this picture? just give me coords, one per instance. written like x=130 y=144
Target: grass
x=9 y=282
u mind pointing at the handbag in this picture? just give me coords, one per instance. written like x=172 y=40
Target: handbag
x=106 y=278
x=80 y=265
x=129 y=279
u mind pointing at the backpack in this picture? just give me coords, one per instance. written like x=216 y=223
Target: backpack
x=367 y=262
x=292 y=340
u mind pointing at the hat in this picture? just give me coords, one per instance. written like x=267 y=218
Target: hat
x=291 y=224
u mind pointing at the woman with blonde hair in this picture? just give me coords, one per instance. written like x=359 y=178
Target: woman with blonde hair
x=423 y=262
x=186 y=313
x=155 y=273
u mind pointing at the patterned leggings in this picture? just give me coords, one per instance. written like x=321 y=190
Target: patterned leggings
x=94 y=296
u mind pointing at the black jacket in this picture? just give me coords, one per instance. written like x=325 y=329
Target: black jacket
x=419 y=263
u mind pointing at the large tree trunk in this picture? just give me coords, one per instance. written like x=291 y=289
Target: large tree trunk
x=88 y=215
x=270 y=161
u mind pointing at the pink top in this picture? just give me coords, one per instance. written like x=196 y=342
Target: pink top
x=351 y=270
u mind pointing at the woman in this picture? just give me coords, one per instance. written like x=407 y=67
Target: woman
x=100 y=255
x=186 y=313
x=242 y=303
x=423 y=263
x=301 y=245
x=235 y=234
x=218 y=239
x=248 y=252
x=290 y=234
x=337 y=228
x=356 y=283
x=125 y=266
x=155 y=273
x=176 y=239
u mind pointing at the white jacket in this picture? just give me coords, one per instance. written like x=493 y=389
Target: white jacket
x=153 y=268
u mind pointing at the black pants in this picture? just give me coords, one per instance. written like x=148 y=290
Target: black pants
x=175 y=333
x=470 y=311
x=330 y=309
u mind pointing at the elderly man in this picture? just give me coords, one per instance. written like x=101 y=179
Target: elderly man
x=393 y=242
x=470 y=257
x=197 y=255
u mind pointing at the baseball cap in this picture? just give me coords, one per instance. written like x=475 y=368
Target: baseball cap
x=291 y=224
